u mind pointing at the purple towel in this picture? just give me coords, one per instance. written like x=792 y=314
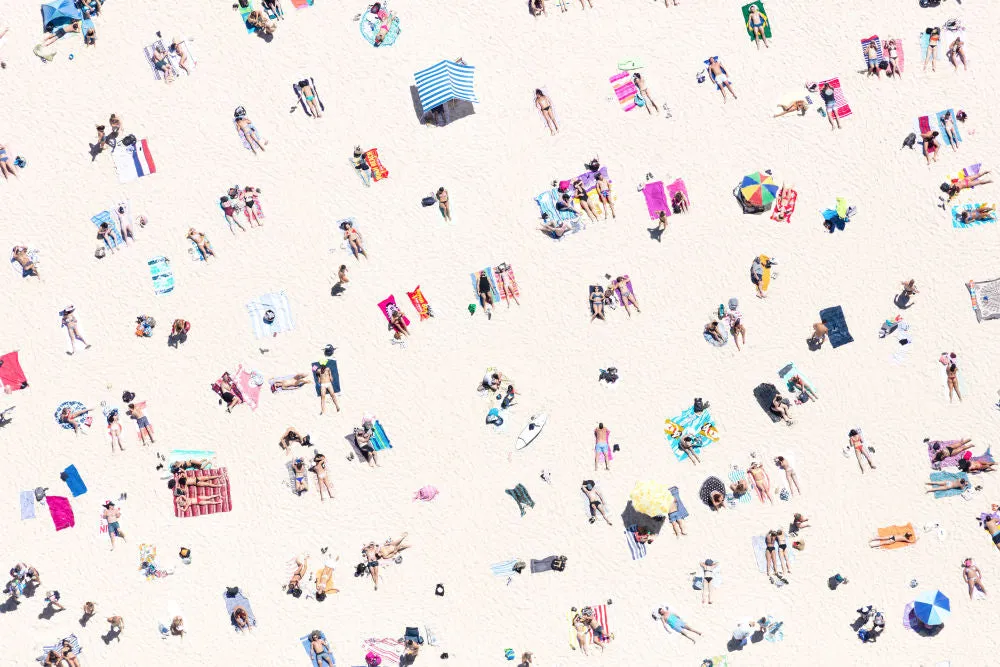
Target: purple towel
x=590 y=179
x=61 y=511
x=656 y=199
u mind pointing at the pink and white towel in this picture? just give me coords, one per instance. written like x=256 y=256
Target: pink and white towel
x=842 y=108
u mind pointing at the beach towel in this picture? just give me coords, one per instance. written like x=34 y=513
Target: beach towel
x=73 y=480
x=263 y=306
x=371 y=24
x=302 y=4
x=390 y=650
x=542 y=565
x=759 y=545
x=985 y=296
x=710 y=339
x=600 y=615
x=899 y=54
x=27 y=505
x=387 y=305
x=302 y=99
x=61 y=512
x=74 y=406
x=506 y=283
x=786 y=373
x=521 y=497
x=944 y=135
x=334 y=374
x=249 y=384
x=223 y=504
x=925 y=41
x=635 y=549
x=765 y=393
x=33 y=254
x=162 y=274
x=746 y=19
x=177 y=455
x=11 y=375
x=378 y=170
x=734 y=477
x=58 y=646
x=245 y=14
x=700 y=426
x=105 y=216
x=379 y=440
x=842 y=108
x=172 y=58
x=625 y=90
x=898 y=531
x=656 y=199
x=681 y=512
x=307 y=645
x=618 y=291
x=419 y=302
x=547 y=204
x=133 y=162
x=784 y=205
x=878 y=50
x=589 y=181
x=833 y=318
x=956 y=212
x=948 y=477
x=711 y=74
x=494 y=291
x=238 y=600
x=504 y=568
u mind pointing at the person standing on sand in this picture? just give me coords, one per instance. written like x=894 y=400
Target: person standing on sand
x=707 y=574
x=819 y=333
x=951 y=372
x=117 y=625
x=72 y=328
x=322 y=476
x=601 y=447
x=111 y=514
x=52 y=599
x=325 y=377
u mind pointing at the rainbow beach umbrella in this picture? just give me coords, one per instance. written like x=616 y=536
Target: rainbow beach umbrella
x=932 y=607
x=652 y=498
x=758 y=189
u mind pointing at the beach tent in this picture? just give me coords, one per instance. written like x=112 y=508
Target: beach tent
x=448 y=80
x=59 y=12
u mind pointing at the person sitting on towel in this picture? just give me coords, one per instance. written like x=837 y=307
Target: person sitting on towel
x=241 y=619
x=291 y=435
x=554 y=229
x=363 y=437
x=491 y=381
x=565 y=204
x=779 y=408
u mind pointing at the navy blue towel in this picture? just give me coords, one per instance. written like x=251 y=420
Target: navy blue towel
x=834 y=320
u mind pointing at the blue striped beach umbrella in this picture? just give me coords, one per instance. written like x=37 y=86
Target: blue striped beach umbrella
x=448 y=80
x=932 y=607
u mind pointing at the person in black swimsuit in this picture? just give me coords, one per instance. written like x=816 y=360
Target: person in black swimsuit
x=485 y=290
x=544 y=105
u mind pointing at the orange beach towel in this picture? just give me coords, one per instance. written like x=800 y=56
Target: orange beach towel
x=899 y=531
x=378 y=171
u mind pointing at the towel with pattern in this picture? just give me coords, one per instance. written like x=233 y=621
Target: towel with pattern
x=841 y=107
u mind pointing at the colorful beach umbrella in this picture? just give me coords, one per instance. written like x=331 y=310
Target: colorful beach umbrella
x=758 y=189
x=932 y=607
x=652 y=498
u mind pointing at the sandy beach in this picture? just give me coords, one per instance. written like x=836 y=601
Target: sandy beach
x=494 y=162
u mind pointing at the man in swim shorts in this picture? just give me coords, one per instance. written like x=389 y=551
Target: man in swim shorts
x=601 y=445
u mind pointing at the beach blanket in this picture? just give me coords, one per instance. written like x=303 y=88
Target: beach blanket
x=222 y=504
x=948 y=477
x=302 y=99
x=162 y=274
x=784 y=205
x=133 y=162
x=334 y=374
x=172 y=57
x=302 y=4
x=27 y=505
x=389 y=650
x=238 y=600
x=105 y=217
x=589 y=182
x=74 y=406
x=249 y=386
x=419 y=302
x=765 y=393
x=944 y=135
x=759 y=545
x=506 y=283
x=58 y=647
x=494 y=291
x=956 y=220
x=371 y=24
x=874 y=39
x=833 y=318
x=746 y=19
x=618 y=291
x=33 y=254
x=73 y=480
x=61 y=512
x=898 y=531
x=635 y=549
x=600 y=614
x=734 y=477
x=504 y=568
x=700 y=426
x=278 y=304
x=656 y=199
x=625 y=90
x=841 y=107
x=387 y=305
x=378 y=170
x=307 y=645
x=786 y=373
x=12 y=377
x=985 y=296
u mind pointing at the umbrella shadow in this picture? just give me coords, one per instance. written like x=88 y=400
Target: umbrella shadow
x=443 y=114
x=631 y=516
x=765 y=393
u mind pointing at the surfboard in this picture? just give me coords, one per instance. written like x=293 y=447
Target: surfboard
x=531 y=431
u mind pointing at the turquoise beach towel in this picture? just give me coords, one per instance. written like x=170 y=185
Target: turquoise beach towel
x=381 y=440
x=948 y=477
x=503 y=569
x=956 y=211
x=698 y=425
x=162 y=274
x=944 y=135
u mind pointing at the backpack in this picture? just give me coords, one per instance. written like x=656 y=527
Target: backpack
x=559 y=564
x=910 y=140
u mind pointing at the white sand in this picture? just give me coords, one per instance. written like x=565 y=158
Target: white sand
x=493 y=164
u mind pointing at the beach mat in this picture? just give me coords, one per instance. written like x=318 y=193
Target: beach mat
x=61 y=512
x=948 y=477
x=389 y=650
x=162 y=274
x=842 y=108
x=238 y=600
x=219 y=506
x=73 y=480
x=746 y=19
x=307 y=645
x=656 y=199
x=27 y=505
x=700 y=426
x=635 y=549
x=833 y=318
x=504 y=568
x=506 y=284
x=419 y=303
x=899 y=531
x=956 y=221
x=380 y=440
x=624 y=89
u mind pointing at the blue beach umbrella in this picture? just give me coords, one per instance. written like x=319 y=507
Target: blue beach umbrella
x=932 y=607
x=59 y=12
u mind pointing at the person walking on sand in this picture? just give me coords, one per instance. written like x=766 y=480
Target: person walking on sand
x=544 y=106
x=951 y=372
x=137 y=412
x=325 y=377
x=793 y=482
x=720 y=77
x=116 y=625
x=601 y=447
x=52 y=600
x=909 y=290
x=111 y=515
x=819 y=333
x=640 y=84
x=973 y=577
x=596 y=501
x=858 y=443
x=72 y=328
x=443 y=204
x=676 y=623
x=322 y=475
x=661 y=225
x=707 y=574
x=830 y=102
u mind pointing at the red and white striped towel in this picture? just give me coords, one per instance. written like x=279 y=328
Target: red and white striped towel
x=390 y=650
x=843 y=109
x=507 y=284
x=601 y=614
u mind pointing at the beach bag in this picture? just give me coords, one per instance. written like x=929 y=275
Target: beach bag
x=910 y=140
x=427 y=201
x=232 y=591
x=639 y=100
x=559 y=564
x=100 y=253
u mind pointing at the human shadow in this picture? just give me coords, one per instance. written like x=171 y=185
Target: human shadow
x=337 y=289
x=632 y=517
x=902 y=301
x=813 y=344
x=49 y=612
x=655 y=233
x=9 y=605
x=111 y=635
x=174 y=340
x=85 y=619
x=95 y=150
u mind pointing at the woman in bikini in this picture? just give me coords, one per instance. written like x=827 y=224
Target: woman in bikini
x=930 y=145
x=580 y=192
x=680 y=202
x=294 y=583
x=354 y=238
x=876 y=542
x=70 y=416
x=762 y=481
x=115 y=431
x=597 y=303
x=946 y=485
x=72 y=328
x=756 y=25
x=951 y=134
x=802 y=387
x=932 y=44
x=184 y=502
x=178 y=47
x=799 y=106
x=7 y=168
x=301 y=481
x=779 y=408
x=544 y=105
x=952 y=374
x=955 y=187
x=858 y=443
x=627 y=296
x=396 y=322
x=686 y=445
x=310 y=96
x=892 y=56
x=485 y=289
x=392 y=548
x=779 y=536
x=443 y=204
x=770 y=559
x=248 y=131
x=324 y=582
x=956 y=51
x=204 y=246
x=707 y=574
x=793 y=482
x=973 y=577
x=640 y=84
x=582 y=632
x=319 y=467
x=943 y=451
x=604 y=195
x=981 y=212
x=971 y=465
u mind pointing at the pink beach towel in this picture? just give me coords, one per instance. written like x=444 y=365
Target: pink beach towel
x=656 y=199
x=842 y=108
x=390 y=650
x=625 y=90
x=61 y=511
x=224 y=504
x=899 y=54
x=785 y=205
x=251 y=392
x=674 y=188
x=426 y=493
x=384 y=307
x=507 y=284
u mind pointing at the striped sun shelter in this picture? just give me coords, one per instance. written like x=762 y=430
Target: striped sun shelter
x=445 y=81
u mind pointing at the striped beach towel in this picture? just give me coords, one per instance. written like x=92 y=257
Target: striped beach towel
x=495 y=293
x=27 y=505
x=276 y=302
x=784 y=206
x=734 y=477
x=600 y=615
x=624 y=89
x=506 y=284
x=57 y=647
x=957 y=223
x=133 y=162
x=878 y=49
x=842 y=108
x=635 y=549
x=390 y=650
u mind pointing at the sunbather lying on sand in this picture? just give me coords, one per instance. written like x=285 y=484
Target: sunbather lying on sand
x=294 y=583
x=991 y=524
x=945 y=485
x=799 y=106
x=183 y=502
x=202 y=242
x=876 y=542
x=761 y=481
x=391 y=548
x=687 y=444
x=324 y=582
x=856 y=441
x=597 y=303
x=978 y=214
x=300 y=380
x=70 y=416
x=289 y=436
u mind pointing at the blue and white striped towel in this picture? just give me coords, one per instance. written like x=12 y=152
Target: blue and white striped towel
x=77 y=649
x=277 y=302
x=636 y=550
